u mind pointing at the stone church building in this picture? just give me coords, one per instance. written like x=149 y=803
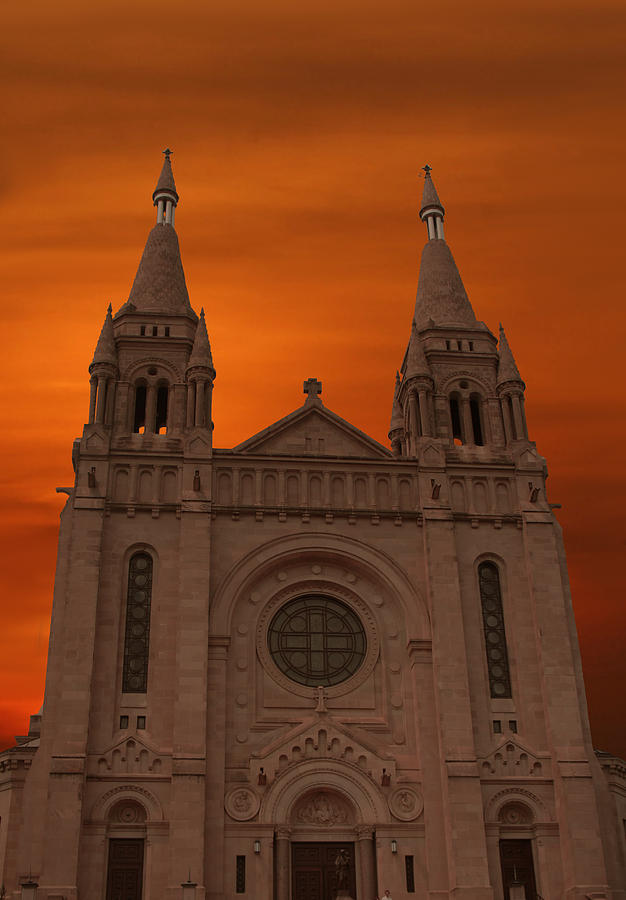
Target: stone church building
x=310 y=666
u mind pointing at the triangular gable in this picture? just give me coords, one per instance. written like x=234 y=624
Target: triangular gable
x=316 y=430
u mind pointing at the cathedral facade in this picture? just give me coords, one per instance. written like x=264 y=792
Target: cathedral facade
x=310 y=666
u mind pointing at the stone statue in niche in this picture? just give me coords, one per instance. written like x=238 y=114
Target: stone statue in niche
x=322 y=809
x=342 y=866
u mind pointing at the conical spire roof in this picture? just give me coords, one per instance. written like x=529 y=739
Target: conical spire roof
x=166 y=178
x=105 y=351
x=507 y=367
x=430 y=197
x=201 y=350
x=441 y=295
x=159 y=285
x=397 y=418
x=416 y=363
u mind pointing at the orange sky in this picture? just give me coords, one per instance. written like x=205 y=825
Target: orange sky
x=298 y=131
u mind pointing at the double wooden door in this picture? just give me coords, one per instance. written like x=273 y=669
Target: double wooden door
x=125 y=872
x=516 y=859
x=318 y=870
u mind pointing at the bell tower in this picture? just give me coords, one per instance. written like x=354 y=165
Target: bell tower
x=458 y=386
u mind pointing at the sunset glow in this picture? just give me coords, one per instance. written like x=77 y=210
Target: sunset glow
x=298 y=133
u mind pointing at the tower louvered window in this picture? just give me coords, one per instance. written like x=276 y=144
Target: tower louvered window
x=137 y=638
x=495 y=636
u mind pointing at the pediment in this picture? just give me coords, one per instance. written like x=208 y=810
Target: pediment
x=313 y=430
x=512 y=759
x=129 y=755
x=320 y=737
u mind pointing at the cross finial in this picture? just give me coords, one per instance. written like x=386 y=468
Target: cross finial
x=427 y=169
x=312 y=387
x=167 y=153
x=321 y=700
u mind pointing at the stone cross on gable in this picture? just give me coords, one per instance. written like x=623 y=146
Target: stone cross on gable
x=312 y=387
x=321 y=700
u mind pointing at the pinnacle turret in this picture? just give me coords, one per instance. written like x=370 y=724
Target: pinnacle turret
x=201 y=352
x=507 y=367
x=105 y=351
x=397 y=419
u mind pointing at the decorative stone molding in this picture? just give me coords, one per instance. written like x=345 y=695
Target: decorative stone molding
x=101 y=808
x=406 y=804
x=512 y=760
x=131 y=372
x=333 y=776
x=319 y=738
x=242 y=804
x=511 y=795
x=323 y=809
x=128 y=756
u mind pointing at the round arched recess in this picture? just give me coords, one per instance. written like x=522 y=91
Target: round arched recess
x=355 y=558
x=101 y=809
x=334 y=777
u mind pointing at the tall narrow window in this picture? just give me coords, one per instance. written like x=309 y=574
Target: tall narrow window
x=410 y=874
x=476 y=422
x=455 y=415
x=160 y=425
x=137 y=638
x=495 y=637
x=139 y=422
x=240 y=875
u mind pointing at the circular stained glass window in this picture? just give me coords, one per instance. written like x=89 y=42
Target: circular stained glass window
x=317 y=641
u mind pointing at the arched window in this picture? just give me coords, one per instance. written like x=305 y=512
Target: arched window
x=160 y=424
x=475 y=412
x=495 y=636
x=139 y=419
x=137 y=637
x=455 y=416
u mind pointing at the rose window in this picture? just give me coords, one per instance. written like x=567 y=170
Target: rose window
x=317 y=641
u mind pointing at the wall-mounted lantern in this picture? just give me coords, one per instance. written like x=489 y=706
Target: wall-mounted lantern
x=257 y=847
x=394 y=845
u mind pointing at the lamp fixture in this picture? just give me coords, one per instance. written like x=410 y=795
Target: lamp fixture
x=394 y=845
x=257 y=847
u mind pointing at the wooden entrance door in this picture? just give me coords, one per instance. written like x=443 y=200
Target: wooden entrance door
x=125 y=874
x=516 y=859
x=315 y=872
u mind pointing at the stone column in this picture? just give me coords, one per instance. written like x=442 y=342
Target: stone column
x=191 y=403
x=413 y=422
x=283 y=850
x=109 y=402
x=365 y=844
x=468 y=427
x=120 y=420
x=102 y=391
x=506 y=418
x=424 y=412
x=150 y=409
x=199 y=402
x=93 y=389
x=517 y=417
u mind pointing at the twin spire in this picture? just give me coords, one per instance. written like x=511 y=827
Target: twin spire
x=441 y=295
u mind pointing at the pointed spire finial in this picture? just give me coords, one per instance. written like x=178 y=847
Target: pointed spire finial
x=105 y=351
x=165 y=196
x=432 y=211
x=507 y=367
x=201 y=350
